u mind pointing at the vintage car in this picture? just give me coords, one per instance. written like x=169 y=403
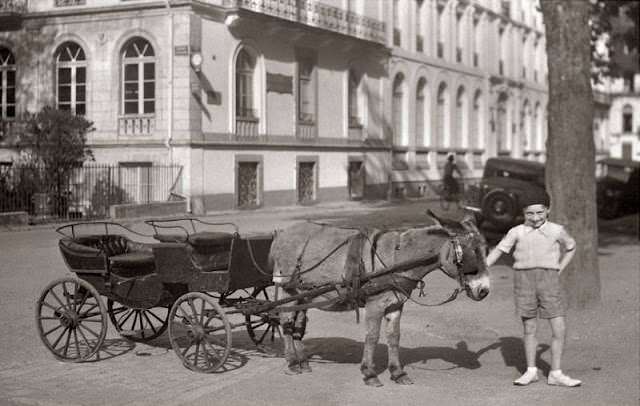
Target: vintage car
x=505 y=183
x=618 y=187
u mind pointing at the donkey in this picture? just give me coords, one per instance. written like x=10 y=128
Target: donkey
x=305 y=256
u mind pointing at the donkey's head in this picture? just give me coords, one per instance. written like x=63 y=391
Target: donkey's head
x=464 y=257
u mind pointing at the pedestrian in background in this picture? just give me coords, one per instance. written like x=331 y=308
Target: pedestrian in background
x=538 y=263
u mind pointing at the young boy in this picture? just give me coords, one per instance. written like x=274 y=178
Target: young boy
x=537 y=288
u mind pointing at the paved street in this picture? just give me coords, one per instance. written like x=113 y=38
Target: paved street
x=461 y=353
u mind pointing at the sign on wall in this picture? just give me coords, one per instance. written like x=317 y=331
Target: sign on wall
x=279 y=83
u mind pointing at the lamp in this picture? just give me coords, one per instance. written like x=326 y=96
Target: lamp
x=196 y=61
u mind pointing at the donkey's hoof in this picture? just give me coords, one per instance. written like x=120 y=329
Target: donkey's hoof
x=305 y=367
x=373 y=381
x=402 y=379
x=293 y=370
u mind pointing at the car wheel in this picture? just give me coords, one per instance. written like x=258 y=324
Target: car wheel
x=500 y=209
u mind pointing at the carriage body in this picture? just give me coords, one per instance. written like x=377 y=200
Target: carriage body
x=145 y=283
x=145 y=275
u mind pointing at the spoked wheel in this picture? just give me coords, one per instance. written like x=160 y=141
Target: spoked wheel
x=71 y=319
x=262 y=326
x=138 y=325
x=199 y=332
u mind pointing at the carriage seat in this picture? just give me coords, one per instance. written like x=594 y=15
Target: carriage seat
x=126 y=257
x=201 y=239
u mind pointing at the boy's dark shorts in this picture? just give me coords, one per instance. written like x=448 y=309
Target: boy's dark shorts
x=538 y=293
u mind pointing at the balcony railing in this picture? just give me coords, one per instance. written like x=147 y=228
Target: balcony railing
x=13 y=7
x=306 y=129
x=316 y=14
x=136 y=125
x=247 y=126
x=68 y=3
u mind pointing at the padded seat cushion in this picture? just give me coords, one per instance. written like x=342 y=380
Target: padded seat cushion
x=210 y=238
x=171 y=237
x=133 y=260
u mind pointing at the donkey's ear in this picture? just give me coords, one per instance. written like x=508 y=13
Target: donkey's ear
x=434 y=217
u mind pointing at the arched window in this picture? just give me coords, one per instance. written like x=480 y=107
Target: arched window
x=421 y=113
x=71 y=78
x=442 y=124
x=539 y=120
x=502 y=123
x=398 y=110
x=354 y=110
x=7 y=84
x=477 y=120
x=627 y=118
x=462 y=120
x=138 y=77
x=245 y=68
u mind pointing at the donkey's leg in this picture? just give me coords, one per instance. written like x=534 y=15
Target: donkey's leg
x=373 y=319
x=299 y=327
x=287 y=321
x=393 y=343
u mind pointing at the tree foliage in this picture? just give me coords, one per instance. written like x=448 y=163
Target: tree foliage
x=615 y=24
x=57 y=139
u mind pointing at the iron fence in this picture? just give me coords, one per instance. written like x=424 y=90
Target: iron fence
x=85 y=192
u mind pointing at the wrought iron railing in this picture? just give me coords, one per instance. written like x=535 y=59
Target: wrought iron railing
x=317 y=14
x=85 y=191
x=13 y=6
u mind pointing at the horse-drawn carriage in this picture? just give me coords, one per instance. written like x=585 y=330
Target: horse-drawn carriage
x=190 y=282
x=154 y=286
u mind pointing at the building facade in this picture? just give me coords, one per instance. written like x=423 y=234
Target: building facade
x=466 y=78
x=281 y=102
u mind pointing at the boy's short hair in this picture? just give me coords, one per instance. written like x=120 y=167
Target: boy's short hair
x=541 y=197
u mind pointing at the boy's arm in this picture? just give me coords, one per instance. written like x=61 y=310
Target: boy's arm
x=493 y=256
x=504 y=246
x=570 y=249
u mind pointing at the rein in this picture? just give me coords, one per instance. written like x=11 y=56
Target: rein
x=420 y=283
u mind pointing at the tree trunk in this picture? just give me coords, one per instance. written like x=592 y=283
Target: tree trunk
x=570 y=166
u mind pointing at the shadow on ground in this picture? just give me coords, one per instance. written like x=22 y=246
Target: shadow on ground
x=347 y=351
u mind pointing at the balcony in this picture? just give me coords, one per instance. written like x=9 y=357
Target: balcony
x=11 y=14
x=247 y=126
x=319 y=15
x=69 y=3
x=142 y=124
x=306 y=126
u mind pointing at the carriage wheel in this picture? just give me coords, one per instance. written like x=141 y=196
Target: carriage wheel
x=71 y=319
x=262 y=326
x=139 y=325
x=199 y=332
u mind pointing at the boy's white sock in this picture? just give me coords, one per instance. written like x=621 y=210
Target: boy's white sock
x=532 y=369
x=555 y=372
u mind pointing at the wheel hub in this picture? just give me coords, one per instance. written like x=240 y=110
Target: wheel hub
x=69 y=319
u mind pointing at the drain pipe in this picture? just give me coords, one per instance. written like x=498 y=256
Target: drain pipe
x=170 y=86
